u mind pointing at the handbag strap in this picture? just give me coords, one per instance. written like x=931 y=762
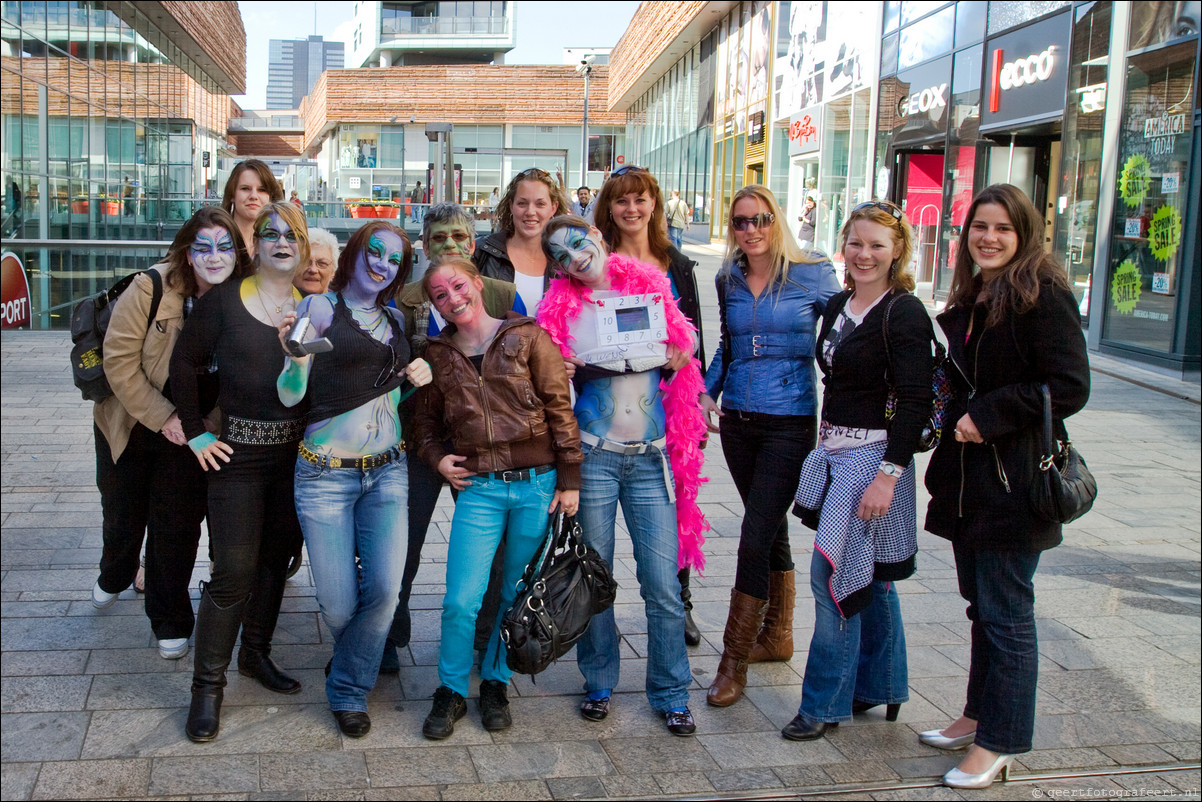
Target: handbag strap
x=1049 y=450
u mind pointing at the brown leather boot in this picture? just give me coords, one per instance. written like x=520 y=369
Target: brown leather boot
x=742 y=624
x=775 y=641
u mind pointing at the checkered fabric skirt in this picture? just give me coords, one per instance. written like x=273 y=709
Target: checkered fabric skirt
x=834 y=482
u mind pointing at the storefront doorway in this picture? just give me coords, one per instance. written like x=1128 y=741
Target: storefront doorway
x=921 y=182
x=1029 y=162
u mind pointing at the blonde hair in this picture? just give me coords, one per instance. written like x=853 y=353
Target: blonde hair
x=879 y=212
x=295 y=218
x=783 y=249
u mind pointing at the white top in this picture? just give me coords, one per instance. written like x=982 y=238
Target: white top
x=530 y=289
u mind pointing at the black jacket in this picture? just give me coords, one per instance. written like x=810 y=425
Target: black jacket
x=857 y=384
x=980 y=492
x=680 y=268
x=492 y=260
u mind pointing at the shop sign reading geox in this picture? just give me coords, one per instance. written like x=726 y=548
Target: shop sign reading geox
x=1026 y=74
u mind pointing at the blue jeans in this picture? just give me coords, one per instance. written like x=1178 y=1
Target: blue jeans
x=346 y=512
x=676 y=235
x=1004 y=668
x=484 y=512
x=862 y=657
x=638 y=482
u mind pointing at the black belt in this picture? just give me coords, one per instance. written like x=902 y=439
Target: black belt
x=359 y=463
x=519 y=474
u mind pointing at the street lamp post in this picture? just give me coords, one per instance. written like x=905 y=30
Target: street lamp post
x=584 y=68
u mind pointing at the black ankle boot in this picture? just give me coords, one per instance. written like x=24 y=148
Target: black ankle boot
x=692 y=635
x=216 y=630
x=258 y=627
x=204 y=715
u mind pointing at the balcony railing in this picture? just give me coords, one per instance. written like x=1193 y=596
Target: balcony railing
x=443 y=26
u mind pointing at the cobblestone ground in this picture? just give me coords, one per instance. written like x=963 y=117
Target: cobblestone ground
x=89 y=709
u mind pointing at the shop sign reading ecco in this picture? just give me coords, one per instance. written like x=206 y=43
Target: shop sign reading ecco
x=933 y=97
x=1023 y=72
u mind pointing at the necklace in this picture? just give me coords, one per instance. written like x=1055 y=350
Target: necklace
x=279 y=307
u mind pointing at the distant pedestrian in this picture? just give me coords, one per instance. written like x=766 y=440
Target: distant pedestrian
x=1012 y=324
x=416 y=199
x=677 y=212
x=808 y=220
x=583 y=204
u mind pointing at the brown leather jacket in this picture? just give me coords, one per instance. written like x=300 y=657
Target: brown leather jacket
x=516 y=413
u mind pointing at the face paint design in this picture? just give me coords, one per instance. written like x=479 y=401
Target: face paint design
x=448 y=239
x=579 y=252
x=456 y=295
x=377 y=266
x=212 y=257
x=277 y=248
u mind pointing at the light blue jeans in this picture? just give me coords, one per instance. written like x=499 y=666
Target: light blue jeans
x=862 y=657
x=484 y=512
x=346 y=512
x=637 y=481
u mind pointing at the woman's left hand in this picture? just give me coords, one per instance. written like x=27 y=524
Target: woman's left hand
x=677 y=359
x=569 y=499
x=877 y=498
x=967 y=431
x=418 y=372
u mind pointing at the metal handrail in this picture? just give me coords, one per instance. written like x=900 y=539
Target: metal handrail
x=117 y=244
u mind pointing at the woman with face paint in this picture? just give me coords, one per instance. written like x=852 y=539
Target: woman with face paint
x=514 y=251
x=500 y=398
x=630 y=213
x=148 y=479
x=253 y=529
x=637 y=386
x=250 y=187
x=351 y=479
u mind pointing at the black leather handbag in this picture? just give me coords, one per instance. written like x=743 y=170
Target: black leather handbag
x=1064 y=490
x=565 y=585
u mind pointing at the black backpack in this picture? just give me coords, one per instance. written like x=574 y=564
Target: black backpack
x=89 y=323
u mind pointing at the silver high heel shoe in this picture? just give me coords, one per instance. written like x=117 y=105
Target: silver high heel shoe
x=959 y=779
x=937 y=739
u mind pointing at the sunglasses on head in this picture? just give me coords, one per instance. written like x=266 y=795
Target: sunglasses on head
x=883 y=206
x=761 y=220
x=535 y=171
x=629 y=168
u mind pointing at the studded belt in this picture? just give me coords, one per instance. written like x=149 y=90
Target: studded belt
x=262 y=432
x=365 y=463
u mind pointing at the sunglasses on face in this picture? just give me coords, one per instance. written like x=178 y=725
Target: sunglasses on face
x=629 y=168
x=761 y=220
x=883 y=206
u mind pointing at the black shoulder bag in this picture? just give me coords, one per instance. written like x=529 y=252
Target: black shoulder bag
x=1064 y=490
x=565 y=585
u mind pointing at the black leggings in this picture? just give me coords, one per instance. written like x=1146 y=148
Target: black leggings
x=764 y=454
x=156 y=488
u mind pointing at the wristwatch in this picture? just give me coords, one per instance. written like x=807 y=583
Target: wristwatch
x=891 y=469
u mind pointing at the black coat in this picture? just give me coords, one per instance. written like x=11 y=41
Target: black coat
x=980 y=492
x=492 y=260
x=680 y=268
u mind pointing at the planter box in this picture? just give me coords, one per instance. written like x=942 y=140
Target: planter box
x=79 y=207
x=112 y=208
x=362 y=212
x=387 y=212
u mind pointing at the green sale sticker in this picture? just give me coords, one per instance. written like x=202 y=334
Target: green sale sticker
x=1125 y=287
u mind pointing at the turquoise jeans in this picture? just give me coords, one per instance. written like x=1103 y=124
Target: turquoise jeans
x=484 y=512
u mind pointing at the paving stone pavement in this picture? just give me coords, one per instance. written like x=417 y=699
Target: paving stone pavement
x=89 y=710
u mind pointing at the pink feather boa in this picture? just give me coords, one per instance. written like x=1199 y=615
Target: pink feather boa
x=686 y=422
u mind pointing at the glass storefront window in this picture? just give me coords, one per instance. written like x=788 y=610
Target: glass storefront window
x=1152 y=193
x=1076 y=217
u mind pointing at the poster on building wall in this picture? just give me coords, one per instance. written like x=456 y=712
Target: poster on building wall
x=799 y=67
x=1161 y=20
x=819 y=55
x=757 y=89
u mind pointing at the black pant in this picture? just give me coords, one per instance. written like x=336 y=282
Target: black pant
x=156 y=488
x=252 y=519
x=425 y=486
x=764 y=454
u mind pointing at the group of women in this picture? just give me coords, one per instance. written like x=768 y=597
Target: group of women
x=524 y=415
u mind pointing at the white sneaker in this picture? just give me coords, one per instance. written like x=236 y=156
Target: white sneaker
x=102 y=599
x=173 y=648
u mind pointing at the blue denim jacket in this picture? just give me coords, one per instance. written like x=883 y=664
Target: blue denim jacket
x=772 y=341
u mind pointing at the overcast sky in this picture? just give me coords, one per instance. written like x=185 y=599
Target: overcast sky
x=544 y=30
